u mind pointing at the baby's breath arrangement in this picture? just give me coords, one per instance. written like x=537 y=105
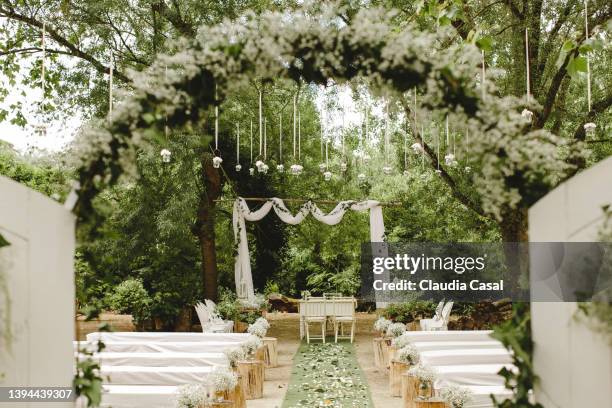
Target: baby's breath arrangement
x=456 y=396
x=191 y=396
x=223 y=379
x=396 y=329
x=408 y=354
x=423 y=373
x=259 y=328
x=400 y=342
x=382 y=324
x=251 y=344
x=236 y=354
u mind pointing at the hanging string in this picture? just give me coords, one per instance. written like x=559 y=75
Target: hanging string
x=166 y=129
x=528 y=74
x=438 y=153
x=321 y=135
x=299 y=136
x=265 y=138
x=405 y=150
x=280 y=138
x=251 y=141
x=387 y=134
x=216 y=120
x=482 y=83
x=260 y=124
x=110 y=84
x=237 y=143
x=294 y=123
x=326 y=154
x=44 y=56
x=367 y=120
x=342 y=136
x=588 y=60
x=447 y=133
x=423 y=147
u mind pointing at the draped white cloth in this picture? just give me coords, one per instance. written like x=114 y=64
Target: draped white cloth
x=242 y=213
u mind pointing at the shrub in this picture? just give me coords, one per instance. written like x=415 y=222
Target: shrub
x=411 y=311
x=131 y=297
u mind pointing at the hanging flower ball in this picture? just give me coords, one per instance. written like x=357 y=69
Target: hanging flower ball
x=406 y=173
x=280 y=168
x=589 y=128
x=361 y=177
x=322 y=167
x=527 y=114
x=327 y=175
x=467 y=169
x=217 y=160
x=438 y=172
x=251 y=171
x=343 y=167
x=265 y=168
x=165 y=155
x=417 y=148
x=238 y=167
x=387 y=170
x=296 y=169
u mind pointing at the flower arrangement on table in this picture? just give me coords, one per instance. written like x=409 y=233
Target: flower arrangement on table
x=456 y=396
x=408 y=354
x=381 y=325
x=426 y=377
x=396 y=329
x=259 y=328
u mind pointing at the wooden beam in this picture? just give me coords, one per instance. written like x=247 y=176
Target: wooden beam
x=301 y=200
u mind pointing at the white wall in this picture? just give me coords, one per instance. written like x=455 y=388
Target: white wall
x=573 y=362
x=38 y=266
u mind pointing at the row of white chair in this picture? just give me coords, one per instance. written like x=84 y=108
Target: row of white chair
x=440 y=319
x=338 y=309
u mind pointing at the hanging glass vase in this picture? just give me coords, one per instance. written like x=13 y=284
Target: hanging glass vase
x=327 y=175
x=296 y=169
x=527 y=114
x=343 y=167
x=251 y=171
x=589 y=128
x=425 y=390
x=259 y=164
x=217 y=160
x=417 y=148
x=280 y=168
x=165 y=155
x=238 y=167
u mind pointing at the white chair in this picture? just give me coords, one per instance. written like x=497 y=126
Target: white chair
x=212 y=311
x=203 y=314
x=442 y=322
x=424 y=323
x=314 y=312
x=343 y=313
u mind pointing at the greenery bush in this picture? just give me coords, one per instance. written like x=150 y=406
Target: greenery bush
x=131 y=297
x=410 y=311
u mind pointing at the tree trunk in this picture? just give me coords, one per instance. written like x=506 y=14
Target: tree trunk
x=514 y=230
x=211 y=182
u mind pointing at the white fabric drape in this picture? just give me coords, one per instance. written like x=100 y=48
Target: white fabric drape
x=242 y=269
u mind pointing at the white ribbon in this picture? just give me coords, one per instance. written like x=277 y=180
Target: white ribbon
x=242 y=269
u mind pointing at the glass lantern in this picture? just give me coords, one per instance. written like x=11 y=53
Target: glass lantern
x=217 y=160
x=527 y=114
x=327 y=175
x=280 y=168
x=238 y=167
x=165 y=155
x=251 y=171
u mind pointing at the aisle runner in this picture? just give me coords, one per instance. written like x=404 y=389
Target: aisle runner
x=327 y=375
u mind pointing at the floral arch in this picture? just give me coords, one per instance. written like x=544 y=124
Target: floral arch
x=315 y=46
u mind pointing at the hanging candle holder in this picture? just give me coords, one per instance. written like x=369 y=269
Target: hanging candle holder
x=327 y=175
x=589 y=128
x=280 y=168
x=238 y=167
x=260 y=165
x=251 y=171
x=165 y=155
